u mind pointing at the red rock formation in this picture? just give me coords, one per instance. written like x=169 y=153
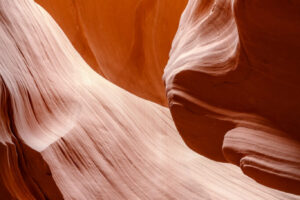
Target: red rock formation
x=235 y=64
x=68 y=133
x=128 y=42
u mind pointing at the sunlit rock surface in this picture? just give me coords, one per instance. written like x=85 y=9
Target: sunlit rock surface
x=233 y=83
x=68 y=133
x=128 y=42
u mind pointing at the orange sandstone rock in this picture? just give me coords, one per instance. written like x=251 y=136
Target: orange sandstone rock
x=68 y=133
x=126 y=42
x=235 y=63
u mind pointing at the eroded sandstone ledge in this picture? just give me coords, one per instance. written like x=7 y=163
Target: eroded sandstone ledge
x=232 y=83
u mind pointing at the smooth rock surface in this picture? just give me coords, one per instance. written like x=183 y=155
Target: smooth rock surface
x=235 y=63
x=68 y=133
x=126 y=42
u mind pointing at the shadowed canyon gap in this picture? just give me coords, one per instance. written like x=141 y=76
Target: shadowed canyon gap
x=231 y=81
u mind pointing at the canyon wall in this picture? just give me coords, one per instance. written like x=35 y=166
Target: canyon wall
x=69 y=133
x=232 y=83
x=126 y=42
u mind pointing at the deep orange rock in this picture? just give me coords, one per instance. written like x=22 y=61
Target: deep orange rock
x=128 y=43
x=235 y=64
x=68 y=133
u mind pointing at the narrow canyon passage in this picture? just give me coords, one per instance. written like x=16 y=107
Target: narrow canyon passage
x=84 y=113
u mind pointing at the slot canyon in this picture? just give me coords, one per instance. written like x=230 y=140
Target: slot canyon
x=150 y=99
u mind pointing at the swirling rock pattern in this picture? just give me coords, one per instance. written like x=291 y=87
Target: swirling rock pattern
x=68 y=133
x=232 y=84
x=127 y=43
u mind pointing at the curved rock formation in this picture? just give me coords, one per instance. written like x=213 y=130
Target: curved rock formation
x=68 y=133
x=234 y=71
x=128 y=43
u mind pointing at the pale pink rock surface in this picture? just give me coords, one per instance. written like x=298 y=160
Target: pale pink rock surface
x=68 y=133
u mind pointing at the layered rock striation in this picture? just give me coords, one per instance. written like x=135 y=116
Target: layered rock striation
x=126 y=42
x=232 y=84
x=68 y=133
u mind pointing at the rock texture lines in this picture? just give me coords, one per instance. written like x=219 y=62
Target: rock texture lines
x=232 y=83
x=68 y=132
